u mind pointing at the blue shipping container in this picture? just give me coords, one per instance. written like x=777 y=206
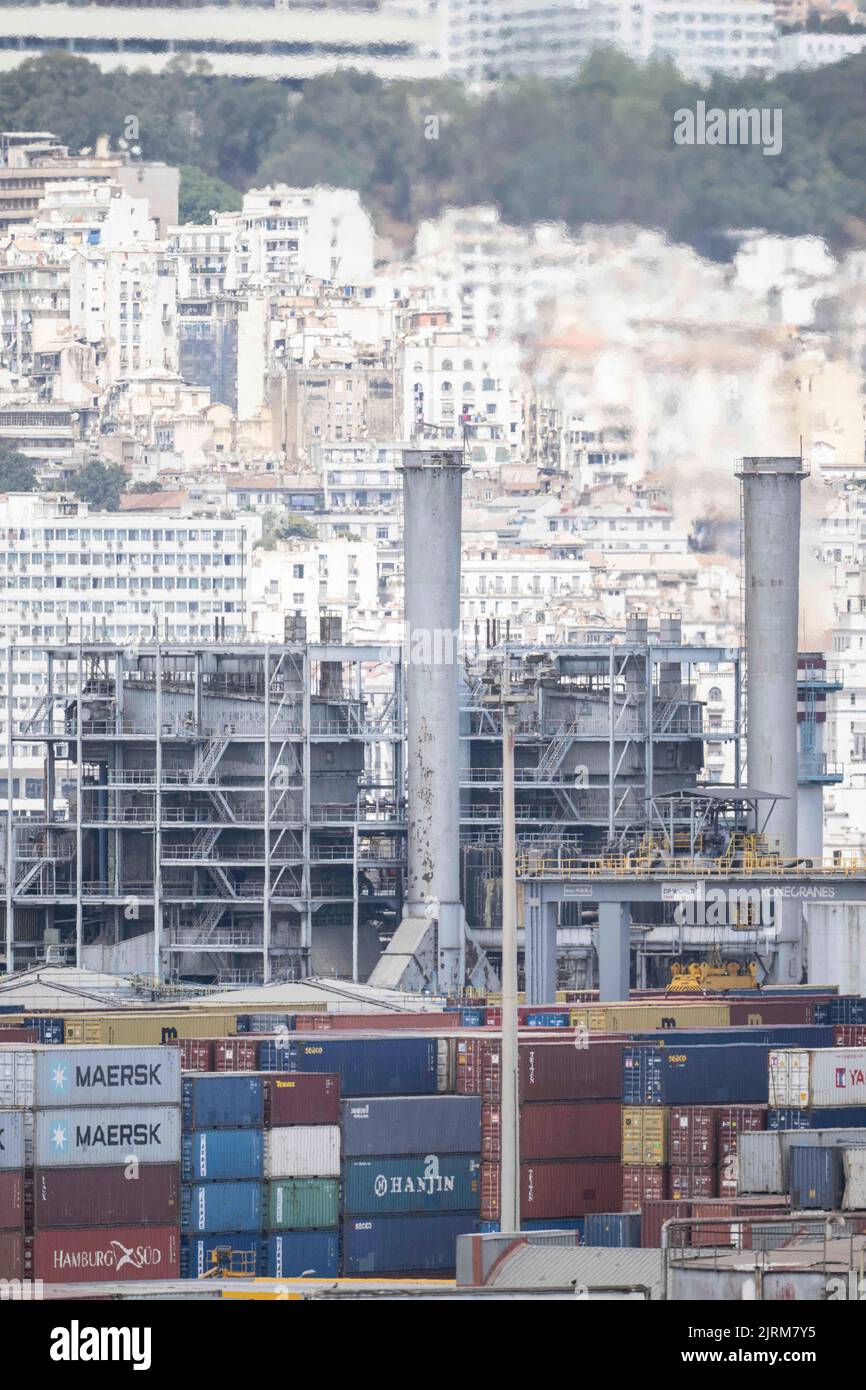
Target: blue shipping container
x=50 y=1030
x=367 y=1066
x=221 y=1206
x=244 y=1254
x=222 y=1101
x=410 y=1125
x=787 y=1035
x=846 y=1009
x=616 y=1229
x=219 y=1155
x=293 y=1253
x=816 y=1178
x=449 y=1183
x=563 y=1223
x=547 y=1018
x=822 y=1117
x=404 y=1244
x=473 y=1018
x=687 y=1075
x=264 y=1023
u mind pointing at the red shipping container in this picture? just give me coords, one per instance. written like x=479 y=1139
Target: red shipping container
x=559 y=1070
x=731 y=1234
x=11 y=1200
x=468 y=1067
x=688 y=1182
x=427 y=1021
x=734 y=1120
x=642 y=1182
x=566 y=1129
x=491 y=1069
x=569 y=1189
x=653 y=1216
x=106 y=1253
x=196 y=1054
x=850 y=1035
x=236 y=1054
x=18 y=1035
x=760 y=1011
x=302 y=1098
x=490 y=1192
x=692 y=1135
x=491 y=1134
x=106 y=1196
x=11 y=1255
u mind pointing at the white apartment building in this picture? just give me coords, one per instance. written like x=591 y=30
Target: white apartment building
x=123 y=303
x=83 y=212
x=464 y=387
x=806 y=50
x=312 y=578
x=488 y=40
x=34 y=304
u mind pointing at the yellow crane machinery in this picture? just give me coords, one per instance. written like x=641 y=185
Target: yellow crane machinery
x=712 y=976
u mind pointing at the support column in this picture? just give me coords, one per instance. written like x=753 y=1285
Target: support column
x=540 y=950
x=614 y=921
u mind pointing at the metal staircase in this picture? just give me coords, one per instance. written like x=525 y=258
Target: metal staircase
x=551 y=760
x=209 y=756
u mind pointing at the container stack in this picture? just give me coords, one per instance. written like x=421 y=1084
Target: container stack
x=260 y=1169
x=102 y=1147
x=411 y=1182
x=817 y=1088
x=11 y=1194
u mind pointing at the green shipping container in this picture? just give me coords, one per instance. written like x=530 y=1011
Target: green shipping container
x=301 y=1204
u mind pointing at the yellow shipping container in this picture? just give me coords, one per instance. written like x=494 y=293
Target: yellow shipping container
x=645 y=1134
x=643 y=1018
x=144 y=1028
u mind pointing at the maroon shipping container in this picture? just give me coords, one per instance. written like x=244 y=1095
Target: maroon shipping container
x=236 y=1054
x=567 y=1129
x=653 y=1216
x=106 y=1253
x=761 y=1012
x=569 y=1189
x=643 y=1183
x=106 y=1196
x=196 y=1054
x=850 y=1035
x=692 y=1135
x=18 y=1035
x=11 y=1200
x=561 y=1071
x=421 y=1022
x=490 y=1192
x=11 y=1255
x=302 y=1098
x=734 y=1120
x=491 y=1069
x=730 y=1234
x=689 y=1182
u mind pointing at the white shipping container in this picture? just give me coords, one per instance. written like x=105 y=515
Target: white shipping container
x=854 y=1198
x=108 y=1135
x=759 y=1162
x=826 y=1076
x=11 y=1139
x=303 y=1151
x=54 y=1076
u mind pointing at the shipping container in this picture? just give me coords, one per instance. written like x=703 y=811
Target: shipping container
x=146 y=1028
x=686 y=1075
x=844 y=1009
x=490 y=1195
x=642 y=1183
x=818 y=1117
x=691 y=1182
x=693 y=1138
x=18 y=1035
x=832 y=1076
x=291 y=1254
x=302 y=1151
x=728 y=1232
x=561 y=1071
x=763 y=1011
x=734 y=1120
x=240 y=1254
x=450 y=1182
x=854 y=1170
x=366 y=1066
x=816 y=1177
x=640 y=1018
x=196 y=1054
x=106 y=1253
x=11 y=1139
x=66 y=1076
x=613 y=1229
x=302 y=1204
x=491 y=1133
x=107 y=1196
x=210 y=1207
x=644 y=1135
x=653 y=1216
x=302 y=1099
x=849 y=1035
x=759 y=1163
x=11 y=1199
x=222 y=1102
x=11 y=1255
x=236 y=1054
x=421 y=1021
x=264 y=1023
x=799 y=1035
x=48 y=1029
x=108 y=1135
x=570 y=1129
x=417 y=1244
x=575 y=1188
x=411 y=1125
x=222 y=1155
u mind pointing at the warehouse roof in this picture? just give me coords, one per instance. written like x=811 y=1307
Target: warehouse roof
x=339 y=996
x=559 y=1266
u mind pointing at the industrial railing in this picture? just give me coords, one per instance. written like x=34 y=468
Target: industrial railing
x=558 y=866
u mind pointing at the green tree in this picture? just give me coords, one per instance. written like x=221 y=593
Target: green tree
x=201 y=194
x=100 y=485
x=17 y=473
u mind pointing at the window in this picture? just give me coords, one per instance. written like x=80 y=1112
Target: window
x=297 y=571
x=715 y=693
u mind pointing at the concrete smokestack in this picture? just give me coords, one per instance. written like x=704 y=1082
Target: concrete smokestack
x=432 y=506
x=771 y=518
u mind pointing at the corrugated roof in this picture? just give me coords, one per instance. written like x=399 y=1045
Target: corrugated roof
x=559 y=1266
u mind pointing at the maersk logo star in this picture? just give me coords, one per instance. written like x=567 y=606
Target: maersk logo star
x=58 y=1138
x=58 y=1079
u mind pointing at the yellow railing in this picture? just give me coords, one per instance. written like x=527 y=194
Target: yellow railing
x=646 y=866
